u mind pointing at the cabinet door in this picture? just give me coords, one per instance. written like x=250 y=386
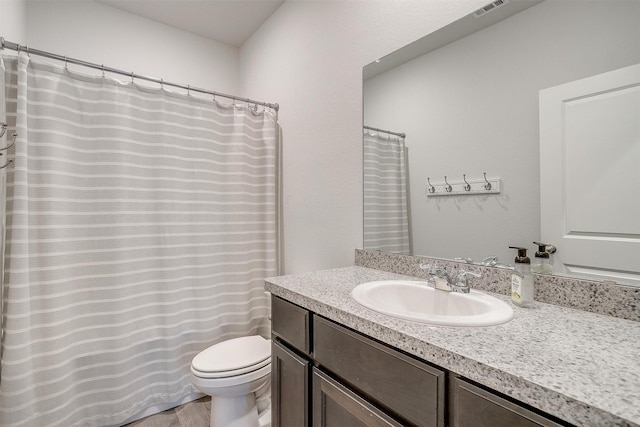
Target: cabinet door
x=471 y=406
x=289 y=387
x=336 y=406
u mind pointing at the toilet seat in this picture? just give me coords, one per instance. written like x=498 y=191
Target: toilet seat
x=233 y=357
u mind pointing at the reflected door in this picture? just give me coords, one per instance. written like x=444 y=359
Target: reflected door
x=590 y=174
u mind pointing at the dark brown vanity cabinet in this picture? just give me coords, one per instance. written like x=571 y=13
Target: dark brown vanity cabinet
x=326 y=375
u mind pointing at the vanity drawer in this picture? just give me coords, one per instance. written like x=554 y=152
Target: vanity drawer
x=471 y=406
x=291 y=324
x=405 y=387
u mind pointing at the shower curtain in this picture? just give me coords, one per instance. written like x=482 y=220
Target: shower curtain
x=386 y=195
x=140 y=226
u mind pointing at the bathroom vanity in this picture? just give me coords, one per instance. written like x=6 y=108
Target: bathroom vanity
x=337 y=364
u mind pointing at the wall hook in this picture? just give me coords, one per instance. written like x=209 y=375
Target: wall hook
x=467 y=186
x=448 y=188
x=431 y=189
x=487 y=186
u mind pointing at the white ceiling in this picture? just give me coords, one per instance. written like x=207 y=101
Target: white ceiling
x=231 y=22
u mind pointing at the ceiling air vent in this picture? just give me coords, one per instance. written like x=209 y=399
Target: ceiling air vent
x=489 y=8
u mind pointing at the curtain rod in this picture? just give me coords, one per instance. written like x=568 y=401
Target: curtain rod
x=29 y=51
x=401 y=135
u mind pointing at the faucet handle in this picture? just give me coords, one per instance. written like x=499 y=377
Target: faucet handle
x=431 y=270
x=462 y=278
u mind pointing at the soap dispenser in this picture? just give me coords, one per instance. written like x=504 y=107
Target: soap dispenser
x=542 y=259
x=522 y=280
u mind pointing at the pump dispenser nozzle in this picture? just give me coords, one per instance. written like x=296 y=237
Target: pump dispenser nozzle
x=544 y=249
x=522 y=257
x=542 y=262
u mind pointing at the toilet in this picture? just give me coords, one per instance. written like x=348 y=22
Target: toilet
x=237 y=375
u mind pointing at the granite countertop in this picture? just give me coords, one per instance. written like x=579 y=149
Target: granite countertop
x=581 y=367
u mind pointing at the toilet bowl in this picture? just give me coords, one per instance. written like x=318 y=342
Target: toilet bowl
x=236 y=374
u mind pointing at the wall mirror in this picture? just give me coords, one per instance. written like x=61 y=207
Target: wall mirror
x=467 y=97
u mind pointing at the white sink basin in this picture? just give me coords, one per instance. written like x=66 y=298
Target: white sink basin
x=419 y=302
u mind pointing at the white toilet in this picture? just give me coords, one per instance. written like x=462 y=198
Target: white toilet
x=237 y=375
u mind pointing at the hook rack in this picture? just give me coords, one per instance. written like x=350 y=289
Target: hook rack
x=464 y=187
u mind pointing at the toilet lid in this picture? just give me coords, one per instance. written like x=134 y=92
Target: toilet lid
x=232 y=355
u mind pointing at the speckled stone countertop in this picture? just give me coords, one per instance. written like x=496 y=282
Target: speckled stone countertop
x=581 y=367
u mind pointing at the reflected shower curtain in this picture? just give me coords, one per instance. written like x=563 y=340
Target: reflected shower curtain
x=140 y=226
x=386 y=206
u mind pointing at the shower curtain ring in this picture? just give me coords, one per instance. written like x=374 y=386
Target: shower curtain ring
x=4 y=129
x=15 y=135
x=6 y=164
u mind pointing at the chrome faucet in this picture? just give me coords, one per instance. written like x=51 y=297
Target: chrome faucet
x=441 y=279
x=444 y=282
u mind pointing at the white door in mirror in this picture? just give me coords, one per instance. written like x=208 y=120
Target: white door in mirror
x=590 y=175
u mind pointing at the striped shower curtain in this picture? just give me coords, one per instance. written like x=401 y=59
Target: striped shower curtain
x=386 y=200
x=140 y=226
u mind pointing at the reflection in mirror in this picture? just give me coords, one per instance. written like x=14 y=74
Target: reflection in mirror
x=469 y=104
x=386 y=191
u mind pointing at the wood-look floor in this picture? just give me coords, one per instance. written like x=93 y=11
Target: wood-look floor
x=192 y=414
